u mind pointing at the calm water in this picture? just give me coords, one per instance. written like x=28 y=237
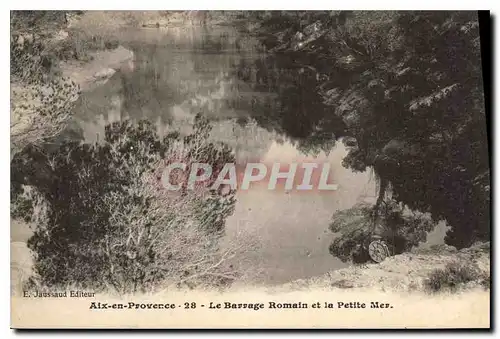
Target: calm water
x=179 y=72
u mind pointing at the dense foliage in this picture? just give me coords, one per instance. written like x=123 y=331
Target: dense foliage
x=104 y=221
x=41 y=100
x=406 y=89
x=401 y=228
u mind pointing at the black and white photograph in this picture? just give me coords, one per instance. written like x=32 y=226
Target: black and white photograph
x=237 y=169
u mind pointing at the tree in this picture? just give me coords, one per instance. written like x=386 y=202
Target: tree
x=107 y=221
x=406 y=86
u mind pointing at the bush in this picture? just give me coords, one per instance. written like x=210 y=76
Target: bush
x=37 y=20
x=485 y=280
x=80 y=44
x=41 y=100
x=106 y=222
x=401 y=229
x=454 y=276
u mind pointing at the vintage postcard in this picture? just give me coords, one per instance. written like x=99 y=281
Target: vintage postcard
x=249 y=169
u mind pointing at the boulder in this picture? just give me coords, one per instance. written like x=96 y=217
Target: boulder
x=103 y=66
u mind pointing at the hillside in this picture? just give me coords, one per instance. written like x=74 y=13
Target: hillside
x=406 y=272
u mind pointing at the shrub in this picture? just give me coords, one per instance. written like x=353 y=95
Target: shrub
x=80 y=44
x=37 y=20
x=41 y=100
x=454 y=276
x=485 y=280
x=40 y=112
x=401 y=228
x=108 y=224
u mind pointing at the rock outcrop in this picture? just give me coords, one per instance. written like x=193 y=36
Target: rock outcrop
x=103 y=66
x=401 y=273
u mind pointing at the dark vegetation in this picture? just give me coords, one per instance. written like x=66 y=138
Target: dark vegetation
x=103 y=220
x=31 y=21
x=41 y=99
x=404 y=91
x=100 y=217
x=455 y=276
x=401 y=228
x=40 y=30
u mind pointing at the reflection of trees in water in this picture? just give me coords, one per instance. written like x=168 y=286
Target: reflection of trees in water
x=178 y=72
x=247 y=139
x=181 y=75
x=147 y=90
x=298 y=110
x=408 y=87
